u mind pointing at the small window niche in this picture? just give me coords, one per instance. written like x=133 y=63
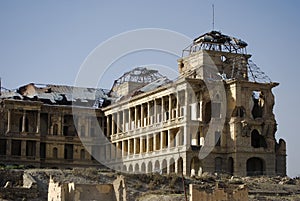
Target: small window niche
x=258 y=104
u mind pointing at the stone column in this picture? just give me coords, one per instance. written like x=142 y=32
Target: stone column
x=124 y=120
x=169 y=139
x=162 y=109
x=177 y=105
x=123 y=148
x=135 y=117
x=128 y=147
x=118 y=123
x=113 y=121
x=24 y=121
x=201 y=136
x=108 y=126
x=170 y=107
x=154 y=141
x=147 y=143
x=86 y=127
x=8 y=121
x=134 y=146
x=142 y=115
x=154 y=112
x=141 y=145
x=38 y=121
x=200 y=110
x=148 y=111
x=129 y=119
x=186 y=104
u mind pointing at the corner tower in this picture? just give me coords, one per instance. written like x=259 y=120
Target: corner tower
x=247 y=144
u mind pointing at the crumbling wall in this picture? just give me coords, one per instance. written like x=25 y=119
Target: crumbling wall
x=55 y=191
x=120 y=188
x=70 y=191
x=16 y=192
x=198 y=193
x=29 y=181
x=13 y=187
x=281 y=158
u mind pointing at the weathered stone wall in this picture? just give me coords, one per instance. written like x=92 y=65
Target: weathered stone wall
x=13 y=193
x=70 y=191
x=120 y=188
x=218 y=194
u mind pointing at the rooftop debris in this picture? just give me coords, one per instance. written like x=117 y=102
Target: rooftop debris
x=216 y=41
x=59 y=94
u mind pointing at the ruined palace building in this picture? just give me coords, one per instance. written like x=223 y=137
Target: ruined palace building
x=217 y=116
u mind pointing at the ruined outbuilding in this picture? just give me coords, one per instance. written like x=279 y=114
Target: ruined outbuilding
x=217 y=116
x=70 y=191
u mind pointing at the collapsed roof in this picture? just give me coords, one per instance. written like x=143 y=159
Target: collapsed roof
x=59 y=94
x=137 y=81
x=216 y=41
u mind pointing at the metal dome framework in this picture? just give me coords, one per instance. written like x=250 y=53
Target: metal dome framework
x=216 y=41
x=138 y=75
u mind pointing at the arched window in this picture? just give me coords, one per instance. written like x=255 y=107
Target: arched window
x=164 y=166
x=258 y=104
x=172 y=165
x=136 y=168
x=156 y=166
x=130 y=169
x=257 y=140
x=149 y=167
x=143 y=168
x=180 y=165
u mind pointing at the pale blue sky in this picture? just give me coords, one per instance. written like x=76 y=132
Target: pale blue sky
x=47 y=41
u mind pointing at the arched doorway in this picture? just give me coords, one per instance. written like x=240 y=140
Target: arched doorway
x=255 y=166
x=195 y=165
x=230 y=166
x=130 y=168
x=156 y=166
x=164 y=167
x=136 y=168
x=180 y=165
x=143 y=168
x=150 y=167
x=172 y=165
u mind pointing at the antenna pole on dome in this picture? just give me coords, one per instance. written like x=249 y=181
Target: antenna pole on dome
x=213 y=17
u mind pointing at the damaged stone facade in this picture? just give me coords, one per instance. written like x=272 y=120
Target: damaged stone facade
x=154 y=124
